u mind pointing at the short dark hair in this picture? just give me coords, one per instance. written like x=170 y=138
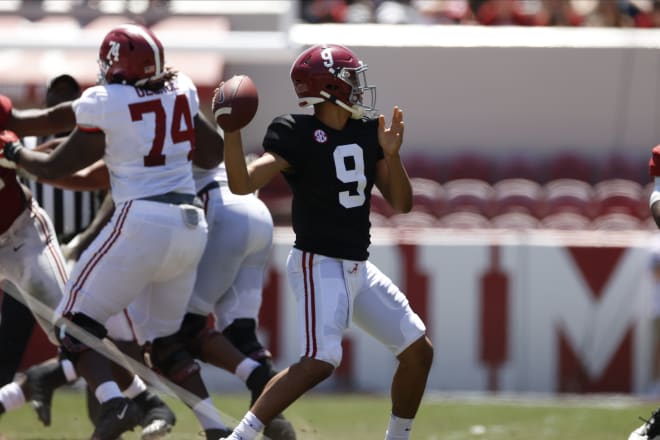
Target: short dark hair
x=71 y=81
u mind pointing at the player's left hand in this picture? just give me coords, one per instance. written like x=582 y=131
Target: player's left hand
x=391 y=138
x=11 y=144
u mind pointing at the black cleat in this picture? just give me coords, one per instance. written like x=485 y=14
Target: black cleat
x=217 y=434
x=41 y=380
x=117 y=415
x=650 y=430
x=280 y=429
x=158 y=419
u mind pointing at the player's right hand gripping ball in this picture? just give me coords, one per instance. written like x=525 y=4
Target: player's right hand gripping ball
x=235 y=102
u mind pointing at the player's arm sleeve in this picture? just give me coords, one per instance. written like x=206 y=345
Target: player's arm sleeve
x=90 y=110
x=373 y=127
x=279 y=138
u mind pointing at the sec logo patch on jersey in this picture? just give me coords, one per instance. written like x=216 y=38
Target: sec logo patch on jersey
x=320 y=136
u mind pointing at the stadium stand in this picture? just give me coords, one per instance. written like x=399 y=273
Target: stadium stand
x=518 y=195
x=568 y=195
x=566 y=221
x=464 y=220
x=515 y=220
x=620 y=196
x=616 y=221
x=470 y=165
x=413 y=219
x=429 y=196
x=471 y=187
x=469 y=195
x=570 y=165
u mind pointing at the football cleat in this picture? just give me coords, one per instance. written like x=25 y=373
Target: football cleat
x=217 y=433
x=117 y=415
x=41 y=380
x=158 y=418
x=650 y=430
x=280 y=429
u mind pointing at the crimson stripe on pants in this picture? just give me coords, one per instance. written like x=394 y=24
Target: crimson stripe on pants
x=310 y=306
x=43 y=225
x=84 y=274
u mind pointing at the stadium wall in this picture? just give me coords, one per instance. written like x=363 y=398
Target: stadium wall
x=493 y=89
x=507 y=312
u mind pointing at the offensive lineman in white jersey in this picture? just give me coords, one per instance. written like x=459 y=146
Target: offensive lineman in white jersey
x=143 y=122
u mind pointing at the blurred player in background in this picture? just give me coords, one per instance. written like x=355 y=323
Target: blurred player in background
x=654 y=268
x=650 y=430
x=17 y=322
x=331 y=160
x=143 y=121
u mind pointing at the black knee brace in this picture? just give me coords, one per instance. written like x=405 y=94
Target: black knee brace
x=243 y=335
x=71 y=347
x=169 y=356
x=193 y=332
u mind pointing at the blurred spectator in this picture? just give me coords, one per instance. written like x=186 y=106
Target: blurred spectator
x=594 y=13
x=609 y=14
x=324 y=11
x=395 y=12
x=360 y=11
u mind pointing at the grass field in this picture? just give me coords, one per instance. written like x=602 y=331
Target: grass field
x=364 y=417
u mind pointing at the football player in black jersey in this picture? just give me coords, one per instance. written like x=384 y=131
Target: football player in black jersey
x=331 y=161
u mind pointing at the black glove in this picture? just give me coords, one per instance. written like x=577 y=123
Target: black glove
x=11 y=145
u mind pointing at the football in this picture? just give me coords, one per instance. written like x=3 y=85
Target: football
x=235 y=102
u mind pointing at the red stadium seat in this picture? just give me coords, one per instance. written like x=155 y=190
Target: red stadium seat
x=517 y=195
x=515 y=220
x=471 y=195
x=470 y=165
x=423 y=165
x=379 y=205
x=621 y=166
x=378 y=220
x=518 y=166
x=568 y=195
x=617 y=221
x=570 y=165
x=464 y=220
x=567 y=221
x=413 y=219
x=620 y=196
x=428 y=196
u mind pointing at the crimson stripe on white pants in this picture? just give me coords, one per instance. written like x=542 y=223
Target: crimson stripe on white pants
x=310 y=305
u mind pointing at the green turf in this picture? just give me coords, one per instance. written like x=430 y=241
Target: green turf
x=319 y=416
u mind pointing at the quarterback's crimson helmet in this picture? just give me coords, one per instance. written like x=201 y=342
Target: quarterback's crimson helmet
x=331 y=72
x=131 y=54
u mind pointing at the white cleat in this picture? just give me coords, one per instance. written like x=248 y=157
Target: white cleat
x=156 y=430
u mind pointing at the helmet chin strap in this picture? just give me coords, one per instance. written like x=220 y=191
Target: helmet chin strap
x=356 y=111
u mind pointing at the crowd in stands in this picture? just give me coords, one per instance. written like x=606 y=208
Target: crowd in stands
x=602 y=13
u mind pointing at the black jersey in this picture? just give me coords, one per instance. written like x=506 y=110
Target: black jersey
x=331 y=177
